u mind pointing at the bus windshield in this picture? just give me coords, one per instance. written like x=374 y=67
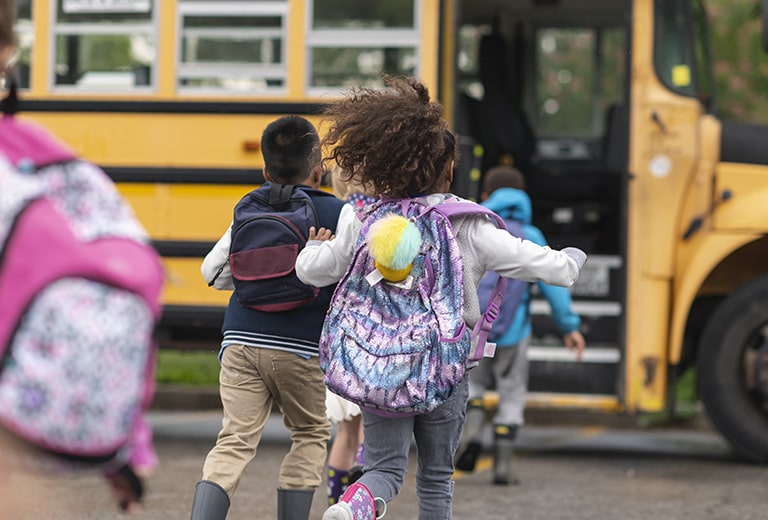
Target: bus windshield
x=681 y=48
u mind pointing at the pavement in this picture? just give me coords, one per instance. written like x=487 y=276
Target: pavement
x=582 y=471
x=199 y=401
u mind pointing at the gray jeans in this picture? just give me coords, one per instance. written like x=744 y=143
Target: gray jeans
x=387 y=445
x=508 y=372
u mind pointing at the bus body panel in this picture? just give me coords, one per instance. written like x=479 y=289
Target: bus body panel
x=184 y=212
x=163 y=139
x=714 y=268
x=746 y=206
x=185 y=285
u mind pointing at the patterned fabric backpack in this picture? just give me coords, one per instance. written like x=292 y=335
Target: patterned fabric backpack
x=400 y=348
x=80 y=289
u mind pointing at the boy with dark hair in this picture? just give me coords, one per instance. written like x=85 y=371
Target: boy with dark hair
x=271 y=357
x=503 y=193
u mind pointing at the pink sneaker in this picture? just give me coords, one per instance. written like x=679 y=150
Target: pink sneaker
x=357 y=503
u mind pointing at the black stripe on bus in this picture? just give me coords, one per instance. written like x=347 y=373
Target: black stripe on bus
x=128 y=174
x=188 y=319
x=182 y=248
x=170 y=107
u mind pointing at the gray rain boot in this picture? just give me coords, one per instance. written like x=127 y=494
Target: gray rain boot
x=210 y=503
x=472 y=436
x=503 y=448
x=294 y=504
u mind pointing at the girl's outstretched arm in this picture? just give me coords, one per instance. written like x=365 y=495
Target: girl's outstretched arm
x=512 y=257
x=323 y=262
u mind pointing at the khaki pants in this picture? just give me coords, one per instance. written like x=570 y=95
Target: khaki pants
x=251 y=381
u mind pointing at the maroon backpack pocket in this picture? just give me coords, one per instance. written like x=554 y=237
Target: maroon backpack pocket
x=264 y=263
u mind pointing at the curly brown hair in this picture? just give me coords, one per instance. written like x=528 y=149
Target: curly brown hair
x=391 y=139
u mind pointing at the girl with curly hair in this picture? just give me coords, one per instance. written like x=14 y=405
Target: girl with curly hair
x=397 y=142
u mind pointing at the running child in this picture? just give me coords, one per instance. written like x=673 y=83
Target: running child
x=393 y=140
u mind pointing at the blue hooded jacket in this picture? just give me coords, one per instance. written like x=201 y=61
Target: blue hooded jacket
x=513 y=204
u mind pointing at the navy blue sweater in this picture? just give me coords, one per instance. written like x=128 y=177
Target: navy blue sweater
x=297 y=330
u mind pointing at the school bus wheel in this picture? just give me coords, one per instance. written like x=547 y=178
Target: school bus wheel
x=733 y=370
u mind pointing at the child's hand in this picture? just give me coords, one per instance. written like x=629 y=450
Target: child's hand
x=127 y=490
x=322 y=234
x=575 y=343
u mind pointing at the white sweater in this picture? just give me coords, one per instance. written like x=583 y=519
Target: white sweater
x=483 y=246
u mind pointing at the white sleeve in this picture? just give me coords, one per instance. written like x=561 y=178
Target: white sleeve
x=216 y=259
x=324 y=263
x=512 y=257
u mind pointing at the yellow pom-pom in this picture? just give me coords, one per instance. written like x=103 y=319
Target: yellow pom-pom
x=394 y=242
x=393 y=275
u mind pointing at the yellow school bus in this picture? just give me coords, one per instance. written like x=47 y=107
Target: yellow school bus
x=605 y=105
x=171 y=98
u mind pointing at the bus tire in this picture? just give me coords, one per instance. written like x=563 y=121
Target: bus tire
x=732 y=366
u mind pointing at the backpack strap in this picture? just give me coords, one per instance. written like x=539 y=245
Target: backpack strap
x=280 y=194
x=483 y=326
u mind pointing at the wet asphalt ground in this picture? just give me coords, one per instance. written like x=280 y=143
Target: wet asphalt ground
x=568 y=472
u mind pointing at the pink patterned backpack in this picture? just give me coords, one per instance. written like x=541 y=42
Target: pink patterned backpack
x=79 y=292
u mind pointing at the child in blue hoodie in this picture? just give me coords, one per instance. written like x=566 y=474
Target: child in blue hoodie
x=503 y=193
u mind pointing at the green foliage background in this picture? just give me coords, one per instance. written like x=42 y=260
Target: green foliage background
x=187 y=367
x=739 y=61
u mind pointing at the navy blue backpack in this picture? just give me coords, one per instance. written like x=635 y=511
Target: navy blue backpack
x=512 y=297
x=271 y=225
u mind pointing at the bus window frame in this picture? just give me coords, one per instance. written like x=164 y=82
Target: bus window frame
x=277 y=8
x=151 y=28
x=691 y=39
x=399 y=38
x=24 y=27
x=704 y=64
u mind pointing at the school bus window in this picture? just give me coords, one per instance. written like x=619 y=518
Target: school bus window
x=232 y=46
x=468 y=59
x=566 y=76
x=329 y=14
x=25 y=35
x=102 y=48
x=354 y=43
x=612 y=65
x=672 y=48
x=347 y=67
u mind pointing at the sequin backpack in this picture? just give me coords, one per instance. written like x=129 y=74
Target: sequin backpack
x=400 y=347
x=80 y=295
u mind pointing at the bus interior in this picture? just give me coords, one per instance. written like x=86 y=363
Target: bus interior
x=541 y=85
